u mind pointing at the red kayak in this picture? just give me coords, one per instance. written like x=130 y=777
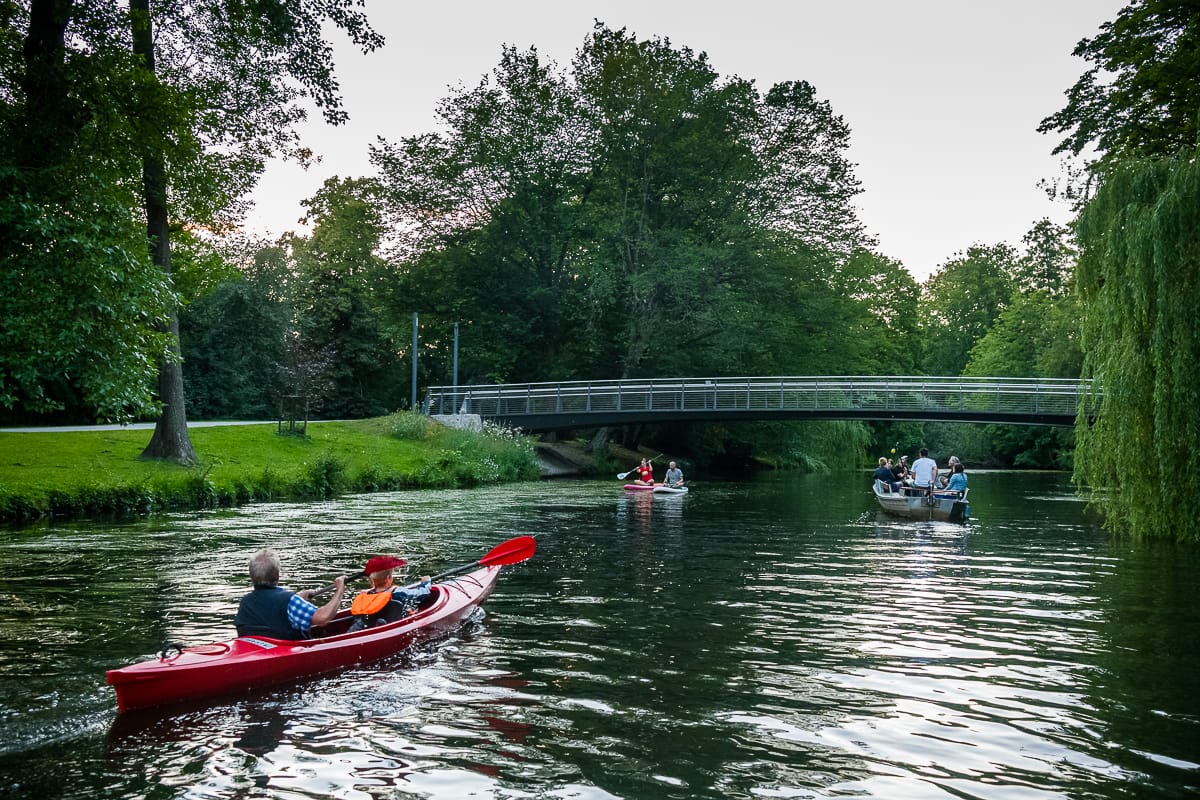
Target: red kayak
x=251 y=662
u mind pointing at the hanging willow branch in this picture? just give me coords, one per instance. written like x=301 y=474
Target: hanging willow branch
x=1139 y=281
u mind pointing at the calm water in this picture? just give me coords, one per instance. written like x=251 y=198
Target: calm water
x=773 y=638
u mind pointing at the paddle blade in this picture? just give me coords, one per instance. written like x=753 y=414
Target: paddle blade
x=621 y=475
x=514 y=551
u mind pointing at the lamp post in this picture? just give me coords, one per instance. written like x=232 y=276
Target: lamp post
x=414 y=363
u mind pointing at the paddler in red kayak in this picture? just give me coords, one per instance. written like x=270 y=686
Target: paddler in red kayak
x=385 y=602
x=271 y=610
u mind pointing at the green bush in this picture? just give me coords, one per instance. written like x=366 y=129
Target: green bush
x=413 y=426
x=326 y=477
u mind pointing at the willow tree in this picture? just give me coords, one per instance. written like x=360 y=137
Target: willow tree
x=1139 y=281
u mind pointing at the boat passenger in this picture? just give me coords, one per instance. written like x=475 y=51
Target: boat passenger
x=645 y=474
x=385 y=602
x=958 y=479
x=271 y=610
x=924 y=471
x=674 y=477
x=886 y=476
x=900 y=471
x=949 y=471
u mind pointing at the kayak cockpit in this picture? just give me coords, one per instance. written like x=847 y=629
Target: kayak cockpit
x=341 y=624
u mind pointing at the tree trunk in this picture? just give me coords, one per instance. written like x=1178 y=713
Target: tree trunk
x=53 y=117
x=600 y=440
x=170 y=439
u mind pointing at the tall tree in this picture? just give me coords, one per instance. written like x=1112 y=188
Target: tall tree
x=170 y=439
x=638 y=214
x=1140 y=287
x=209 y=92
x=78 y=295
x=488 y=216
x=1141 y=95
x=672 y=170
x=344 y=289
x=1139 y=106
x=961 y=301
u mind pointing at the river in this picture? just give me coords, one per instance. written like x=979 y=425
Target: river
x=773 y=637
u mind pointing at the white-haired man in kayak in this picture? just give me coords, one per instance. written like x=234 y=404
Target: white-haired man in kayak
x=385 y=602
x=271 y=610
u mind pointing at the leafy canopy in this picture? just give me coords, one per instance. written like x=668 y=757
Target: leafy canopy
x=1141 y=96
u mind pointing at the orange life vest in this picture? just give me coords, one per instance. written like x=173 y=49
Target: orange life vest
x=371 y=601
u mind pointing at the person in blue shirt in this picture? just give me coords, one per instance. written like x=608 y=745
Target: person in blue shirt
x=271 y=610
x=958 y=479
x=674 y=477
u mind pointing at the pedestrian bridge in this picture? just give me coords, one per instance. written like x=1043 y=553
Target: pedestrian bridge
x=540 y=407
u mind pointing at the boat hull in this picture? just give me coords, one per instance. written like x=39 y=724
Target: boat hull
x=920 y=504
x=638 y=487
x=670 y=490
x=252 y=662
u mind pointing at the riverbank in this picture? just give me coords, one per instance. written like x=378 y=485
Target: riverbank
x=99 y=472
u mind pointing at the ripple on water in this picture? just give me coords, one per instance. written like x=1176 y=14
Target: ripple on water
x=767 y=639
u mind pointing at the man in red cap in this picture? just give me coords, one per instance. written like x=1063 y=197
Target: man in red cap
x=384 y=601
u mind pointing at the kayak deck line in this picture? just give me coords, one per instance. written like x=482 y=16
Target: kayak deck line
x=247 y=640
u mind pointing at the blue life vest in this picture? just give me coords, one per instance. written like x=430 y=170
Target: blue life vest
x=263 y=612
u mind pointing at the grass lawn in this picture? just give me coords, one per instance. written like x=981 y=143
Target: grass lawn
x=74 y=473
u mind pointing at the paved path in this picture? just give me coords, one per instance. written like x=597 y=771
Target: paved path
x=136 y=426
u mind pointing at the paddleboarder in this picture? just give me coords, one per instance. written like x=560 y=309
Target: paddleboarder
x=674 y=476
x=645 y=473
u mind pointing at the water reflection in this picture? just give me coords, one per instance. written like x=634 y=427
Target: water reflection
x=746 y=640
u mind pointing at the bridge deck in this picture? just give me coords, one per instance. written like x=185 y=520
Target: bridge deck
x=583 y=404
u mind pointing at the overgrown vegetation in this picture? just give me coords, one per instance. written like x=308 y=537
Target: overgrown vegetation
x=633 y=214
x=98 y=473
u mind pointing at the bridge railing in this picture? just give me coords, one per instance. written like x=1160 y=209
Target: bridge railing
x=833 y=393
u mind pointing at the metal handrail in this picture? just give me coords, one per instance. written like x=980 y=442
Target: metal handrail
x=795 y=393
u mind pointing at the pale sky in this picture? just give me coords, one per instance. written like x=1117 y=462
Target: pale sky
x=942 y=98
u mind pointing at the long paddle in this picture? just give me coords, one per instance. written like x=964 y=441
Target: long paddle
x=514 y=551
x=621 y=475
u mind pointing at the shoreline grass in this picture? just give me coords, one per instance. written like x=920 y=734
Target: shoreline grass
x=100 y=473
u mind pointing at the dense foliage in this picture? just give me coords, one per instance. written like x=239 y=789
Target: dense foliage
x=1139 y=279
x=1139 y=107
x=1140 y=96
x=118 y=123
x=632 y=214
